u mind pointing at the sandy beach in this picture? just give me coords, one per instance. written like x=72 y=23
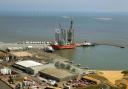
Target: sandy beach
x=112 y=75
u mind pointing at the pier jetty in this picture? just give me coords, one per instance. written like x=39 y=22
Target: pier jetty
x=110 y=44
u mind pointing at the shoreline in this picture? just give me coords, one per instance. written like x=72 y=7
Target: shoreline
x=45 y=42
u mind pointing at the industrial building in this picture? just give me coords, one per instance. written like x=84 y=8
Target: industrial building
x=59 y=71
x=29 y=66
x=56 y=74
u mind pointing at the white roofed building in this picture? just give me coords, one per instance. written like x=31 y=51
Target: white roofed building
x=29 y=66
x=28 y=63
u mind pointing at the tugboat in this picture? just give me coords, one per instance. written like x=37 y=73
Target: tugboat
x=86 y=44
x=64 y=38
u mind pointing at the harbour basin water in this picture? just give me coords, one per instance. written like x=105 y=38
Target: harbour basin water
x=99 y=57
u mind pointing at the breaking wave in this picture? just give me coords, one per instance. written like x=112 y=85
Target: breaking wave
x=106 y=19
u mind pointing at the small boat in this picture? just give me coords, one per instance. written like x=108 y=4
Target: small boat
x=86 y=44
x=84 y=67
x=122 y=47
x=78 y=64
x=48 y=49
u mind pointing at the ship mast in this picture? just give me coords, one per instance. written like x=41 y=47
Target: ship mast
x=65 y=36
x=71 y=32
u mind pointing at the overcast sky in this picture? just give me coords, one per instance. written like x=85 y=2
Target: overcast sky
x=65 y=5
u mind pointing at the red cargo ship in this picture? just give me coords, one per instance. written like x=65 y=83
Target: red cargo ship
x=71 y=46
x=64 y=38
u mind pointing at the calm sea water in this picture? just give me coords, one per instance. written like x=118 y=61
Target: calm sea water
x=95 y=27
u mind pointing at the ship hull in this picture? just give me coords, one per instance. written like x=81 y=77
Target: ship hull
x=57 y=47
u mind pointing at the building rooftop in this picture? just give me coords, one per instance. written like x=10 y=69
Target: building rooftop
x=59 y=73
x=28 y=63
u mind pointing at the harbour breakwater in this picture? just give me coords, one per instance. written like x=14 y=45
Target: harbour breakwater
x=43 y=44
x=110 y=44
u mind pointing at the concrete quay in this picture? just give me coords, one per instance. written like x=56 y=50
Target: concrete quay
x=16 y=46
